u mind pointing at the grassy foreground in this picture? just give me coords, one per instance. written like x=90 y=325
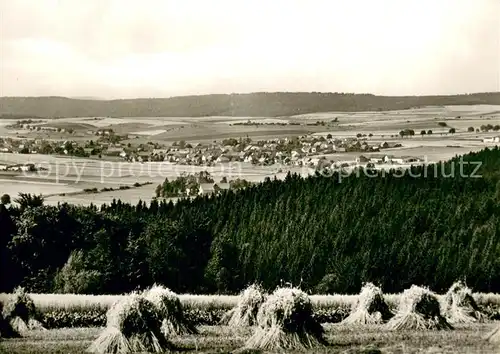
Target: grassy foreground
x=217 y=339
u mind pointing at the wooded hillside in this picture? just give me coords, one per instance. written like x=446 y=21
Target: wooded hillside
x=263 y=104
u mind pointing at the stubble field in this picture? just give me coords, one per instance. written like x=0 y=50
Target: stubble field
x=221 y=339
x=224 y=339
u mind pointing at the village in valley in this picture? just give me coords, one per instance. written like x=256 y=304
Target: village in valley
x=29 y=147
x=310 y=150
x=105 y=143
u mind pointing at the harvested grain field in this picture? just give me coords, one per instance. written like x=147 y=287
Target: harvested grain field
x=342 y=339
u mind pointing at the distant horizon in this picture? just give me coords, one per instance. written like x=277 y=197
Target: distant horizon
x=97 y=98
x=169 y=48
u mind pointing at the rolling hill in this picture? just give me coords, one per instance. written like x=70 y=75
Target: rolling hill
x=241 y=105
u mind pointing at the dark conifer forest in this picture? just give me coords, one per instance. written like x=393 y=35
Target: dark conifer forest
x=326 y=233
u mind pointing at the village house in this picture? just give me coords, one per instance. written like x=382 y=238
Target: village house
x=27 y=167
x=222 y=159
x=314 y=161
x=376 y=160
x=143 y=156
x=362 y=159
x=233 y=156
x=495 y=139
x=113 y=151
x=211 y=188
x=182 y=152
x=104 y=132
x=160 y=151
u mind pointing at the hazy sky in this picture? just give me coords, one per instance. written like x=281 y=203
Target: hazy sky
x=158 y=48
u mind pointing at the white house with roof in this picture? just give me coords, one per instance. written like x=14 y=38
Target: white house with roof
x=222 y=159
x=206 y=188
x=212 y=188
x=492 y=139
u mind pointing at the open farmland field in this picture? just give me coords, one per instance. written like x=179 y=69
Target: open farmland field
x=68 y=175
x=206 y=129
x=220 y=339
x=216 y=338
x=133 y=195
x=209 y=128
x=13 y=187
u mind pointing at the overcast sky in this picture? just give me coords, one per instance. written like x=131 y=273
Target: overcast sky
x=160 y=48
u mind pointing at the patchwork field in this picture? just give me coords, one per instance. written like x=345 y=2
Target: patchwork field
x=203 y=129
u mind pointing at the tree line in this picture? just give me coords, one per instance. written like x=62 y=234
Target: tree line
x=328 y=233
